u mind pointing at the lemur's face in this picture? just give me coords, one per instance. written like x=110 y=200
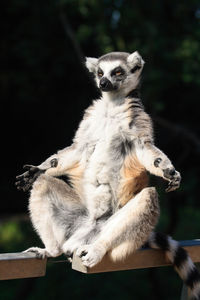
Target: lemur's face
x=110 y=75
x=116 y=72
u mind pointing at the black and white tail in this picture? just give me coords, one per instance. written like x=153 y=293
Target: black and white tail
x=180 y=260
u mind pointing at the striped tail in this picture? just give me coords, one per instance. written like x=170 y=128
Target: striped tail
x=180 y=260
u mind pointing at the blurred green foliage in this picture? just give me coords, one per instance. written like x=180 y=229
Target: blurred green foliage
x=44 y=90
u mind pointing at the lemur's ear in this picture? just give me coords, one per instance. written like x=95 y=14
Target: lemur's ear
x=91 y=63
x=135 y=59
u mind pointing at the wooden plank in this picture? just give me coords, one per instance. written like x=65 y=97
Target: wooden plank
x=21 y=265
x=144 y=258
x=24 y=265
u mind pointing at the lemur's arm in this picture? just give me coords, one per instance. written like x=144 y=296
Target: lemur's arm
x=55 y=165
x=157 y=163
x=64 y=160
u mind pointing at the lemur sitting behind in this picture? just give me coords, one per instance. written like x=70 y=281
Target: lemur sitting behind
x=93 y=197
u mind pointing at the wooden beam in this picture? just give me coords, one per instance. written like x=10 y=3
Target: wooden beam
x=24 y=265
x=21 y=265
x=144 y=258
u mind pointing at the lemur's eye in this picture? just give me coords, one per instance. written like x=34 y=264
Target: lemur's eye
x=135 y=69
x=117 y=71
x=100 y=73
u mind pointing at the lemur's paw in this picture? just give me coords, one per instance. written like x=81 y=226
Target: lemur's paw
x=174 y=182
x=91 y=254
x=169 y=173
x=25 y=181
x=40 y=253
x=69 y=247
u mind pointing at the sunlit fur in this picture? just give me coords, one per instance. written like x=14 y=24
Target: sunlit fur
x=113 y=60
x=108 y=206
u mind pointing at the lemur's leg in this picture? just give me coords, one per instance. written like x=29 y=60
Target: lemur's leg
x=120 y=252
x=83 y=235
x=157 y=163
x=53 y=208
x=134 y=221
x=97 y=201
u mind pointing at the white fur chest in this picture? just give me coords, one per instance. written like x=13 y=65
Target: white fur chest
x=107 y=122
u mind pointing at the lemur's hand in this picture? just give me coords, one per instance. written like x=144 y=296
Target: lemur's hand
x=174 y=179
x=25 y=181
x=169 y=174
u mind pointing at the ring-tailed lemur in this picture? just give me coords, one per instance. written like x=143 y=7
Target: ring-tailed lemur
x=93 y=197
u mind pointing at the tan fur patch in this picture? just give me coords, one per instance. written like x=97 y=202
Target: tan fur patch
x=76 y=174
x=133 y=179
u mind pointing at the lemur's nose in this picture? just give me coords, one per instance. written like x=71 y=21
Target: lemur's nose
x=105 y=84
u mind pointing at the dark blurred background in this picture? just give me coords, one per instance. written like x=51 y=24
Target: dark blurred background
x=44 y=91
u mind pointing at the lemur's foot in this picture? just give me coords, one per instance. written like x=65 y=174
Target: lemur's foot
x=91 y=254
x=169 y=173
x=69 y=247
x=40 y=253
x=45 y=252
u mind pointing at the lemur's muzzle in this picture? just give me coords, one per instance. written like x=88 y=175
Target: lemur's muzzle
x=105 y=85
